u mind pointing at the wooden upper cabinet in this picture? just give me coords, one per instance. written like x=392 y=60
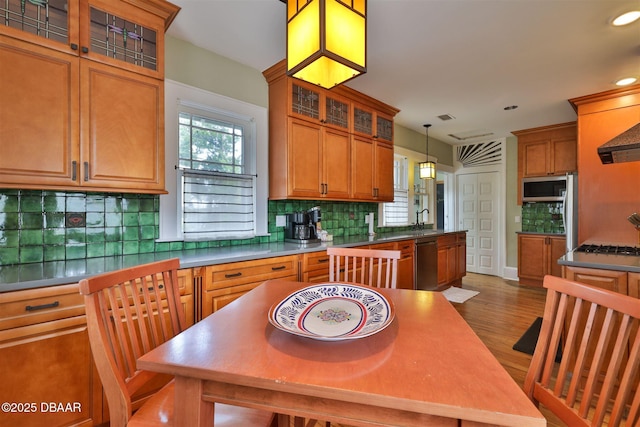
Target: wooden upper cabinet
x=39 y=121
x=83 y=99
x=128 y=34
x=546 y=151
x=324 y=143
x=129 y=155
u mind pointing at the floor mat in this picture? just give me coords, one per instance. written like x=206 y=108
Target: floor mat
x=528 y=340
x=458 y=295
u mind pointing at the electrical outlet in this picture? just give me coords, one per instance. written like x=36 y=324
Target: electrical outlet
x=281 y=220
x=517 y=219
x=366 y=219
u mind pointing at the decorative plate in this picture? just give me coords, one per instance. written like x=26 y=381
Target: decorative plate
x=333 y=312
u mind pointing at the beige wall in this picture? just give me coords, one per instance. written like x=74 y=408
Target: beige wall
x=512 y=208
x=197 y=67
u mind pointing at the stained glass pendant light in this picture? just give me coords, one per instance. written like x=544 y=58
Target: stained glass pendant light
x=428 y=168
x=326 y=40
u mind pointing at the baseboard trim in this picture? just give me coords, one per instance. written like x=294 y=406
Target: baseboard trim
x=510 y=273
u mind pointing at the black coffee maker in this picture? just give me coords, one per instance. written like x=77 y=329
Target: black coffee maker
x=302 y=227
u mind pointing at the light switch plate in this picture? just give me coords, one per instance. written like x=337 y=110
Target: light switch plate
x=281 y=220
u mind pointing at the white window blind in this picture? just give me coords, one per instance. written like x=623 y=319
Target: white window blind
x=217 y=206
x=397 y=212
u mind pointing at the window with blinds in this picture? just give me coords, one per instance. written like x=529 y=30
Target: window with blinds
x=397 y=212
x=218 y=190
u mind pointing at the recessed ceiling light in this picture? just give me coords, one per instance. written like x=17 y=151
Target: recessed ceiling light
x=626 y=18
x=510 y=107
x=626 y=81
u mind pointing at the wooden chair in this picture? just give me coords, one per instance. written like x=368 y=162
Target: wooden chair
x=373 y=267
x=596 y=381
x=129 y=312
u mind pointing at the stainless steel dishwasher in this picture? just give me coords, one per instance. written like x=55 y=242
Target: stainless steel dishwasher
x=427 y=263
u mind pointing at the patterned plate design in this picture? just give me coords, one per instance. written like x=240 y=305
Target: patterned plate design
x=333 y=312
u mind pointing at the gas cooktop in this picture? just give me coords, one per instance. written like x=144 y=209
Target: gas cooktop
x=609 y=249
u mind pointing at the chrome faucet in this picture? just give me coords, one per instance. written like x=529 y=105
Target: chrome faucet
x=419 y=226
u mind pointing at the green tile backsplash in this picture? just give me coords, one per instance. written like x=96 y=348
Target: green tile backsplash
x=542 y=217
x=33 y=225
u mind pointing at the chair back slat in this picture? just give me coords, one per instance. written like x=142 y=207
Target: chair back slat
x=130 y=312
x=595 y=381
x=373 y=267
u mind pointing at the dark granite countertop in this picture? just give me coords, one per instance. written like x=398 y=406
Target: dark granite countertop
x=601 y=261
x=37 y=275
x=541 y=233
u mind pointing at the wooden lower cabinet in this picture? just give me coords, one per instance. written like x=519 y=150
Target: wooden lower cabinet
x=224 y=283
x=46 y=359
x=616 y=281
x=315 y=267
x=406 y=265
x=452 y=259
x=538 y=256
x=48 y=372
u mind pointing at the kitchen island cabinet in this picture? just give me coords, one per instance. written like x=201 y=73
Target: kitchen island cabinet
x=612 y=280
x=538 y=256
x=75 y=106
x=317 y=151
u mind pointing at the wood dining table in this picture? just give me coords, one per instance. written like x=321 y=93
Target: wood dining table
x=426 y=368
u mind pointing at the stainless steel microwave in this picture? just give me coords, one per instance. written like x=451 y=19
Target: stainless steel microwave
x=544 y=189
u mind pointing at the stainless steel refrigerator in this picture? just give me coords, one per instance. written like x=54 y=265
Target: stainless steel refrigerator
x=570 y=211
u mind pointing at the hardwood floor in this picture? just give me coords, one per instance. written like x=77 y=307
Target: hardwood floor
x=499 y=315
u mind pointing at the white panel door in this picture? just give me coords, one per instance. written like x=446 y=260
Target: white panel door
x=478 y=204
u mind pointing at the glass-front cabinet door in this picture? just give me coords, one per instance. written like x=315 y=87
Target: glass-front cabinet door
x=305 y=101
x=384 y=128
x=362 y=121
x=123 y=39
x=109 y=31
x=120 y=34
x=336 y=113
x=53 y=23
x=311 y=103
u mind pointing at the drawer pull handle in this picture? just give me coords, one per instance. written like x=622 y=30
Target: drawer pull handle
x=74 y=170
x=86 y=171
x=323 y=260
x=228 y=276
x=281 y=267
x=42 y=307
x=150 y=288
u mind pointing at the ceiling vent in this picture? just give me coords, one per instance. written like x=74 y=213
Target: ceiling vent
x=445 y=117
x=463 y=136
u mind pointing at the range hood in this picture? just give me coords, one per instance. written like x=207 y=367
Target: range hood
x=623 y=148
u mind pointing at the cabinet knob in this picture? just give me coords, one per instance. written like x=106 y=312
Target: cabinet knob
x=85 y=49
x=74 y=46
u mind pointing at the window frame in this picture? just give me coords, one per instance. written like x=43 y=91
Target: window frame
x=179 y=95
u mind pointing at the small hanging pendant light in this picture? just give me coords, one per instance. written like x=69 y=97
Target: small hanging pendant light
x=428 y=168
x=326 y=40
